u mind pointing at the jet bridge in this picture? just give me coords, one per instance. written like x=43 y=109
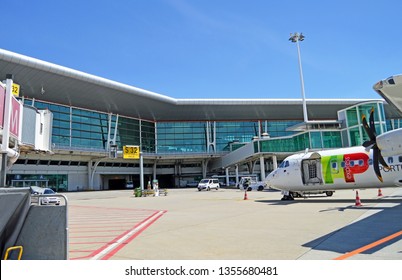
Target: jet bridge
x=246 y=154
x=36 y=232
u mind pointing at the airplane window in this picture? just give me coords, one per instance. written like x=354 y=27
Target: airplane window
x=400 y=158
x=343 y=164
x=391 y=160
x=284 y=164
x=370 y=161
x=361 y=162
x=334 y=165
x=352 y=163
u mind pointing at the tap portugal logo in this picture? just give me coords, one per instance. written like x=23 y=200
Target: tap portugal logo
x=344 y=166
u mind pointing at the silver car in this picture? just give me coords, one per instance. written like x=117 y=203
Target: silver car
x=44 y=200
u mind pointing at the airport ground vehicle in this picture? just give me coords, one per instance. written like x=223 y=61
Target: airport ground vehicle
x=208 y=184
x=250 y=184
x=44 y=200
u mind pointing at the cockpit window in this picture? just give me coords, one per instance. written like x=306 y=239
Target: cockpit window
x=284 y=164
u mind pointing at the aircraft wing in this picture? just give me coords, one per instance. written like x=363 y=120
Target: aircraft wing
x=391 y=90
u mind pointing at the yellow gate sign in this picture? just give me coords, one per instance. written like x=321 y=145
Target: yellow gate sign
x=16 y=89
x=131 y=152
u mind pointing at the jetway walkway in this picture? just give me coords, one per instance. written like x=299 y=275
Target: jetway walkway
x=234 y=157
x=38 y=232
x=249 y=153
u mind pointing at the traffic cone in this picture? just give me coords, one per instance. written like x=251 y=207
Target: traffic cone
x=358 y=202
x=379 y=192
x=245 y=195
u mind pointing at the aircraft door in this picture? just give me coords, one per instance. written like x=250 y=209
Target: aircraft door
x=311 y=171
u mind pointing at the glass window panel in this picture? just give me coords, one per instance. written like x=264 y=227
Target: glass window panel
x=316 y=141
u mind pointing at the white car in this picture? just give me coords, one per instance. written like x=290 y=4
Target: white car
x=47 y=199
x=207 y=184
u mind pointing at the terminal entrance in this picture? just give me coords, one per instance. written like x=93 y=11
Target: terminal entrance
x=30 y=183
x=117 y=184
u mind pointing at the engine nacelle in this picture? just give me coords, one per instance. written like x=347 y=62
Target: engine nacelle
x=390 y=143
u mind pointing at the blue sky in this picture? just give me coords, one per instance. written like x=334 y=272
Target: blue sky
x=215 y=48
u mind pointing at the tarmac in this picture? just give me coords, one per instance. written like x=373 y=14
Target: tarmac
x=229 y=224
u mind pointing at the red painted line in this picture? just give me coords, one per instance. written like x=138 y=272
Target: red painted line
x=108 y=244
x=369 y=246
x=104 y=226
x=91 y=236
x=78 y=258
x=93 y=242
x=109 y=208
x=118 y=248
x=93 y=221
x=83 y=231
x=118 y=237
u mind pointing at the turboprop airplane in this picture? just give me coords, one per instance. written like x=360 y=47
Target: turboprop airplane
x=375 y=164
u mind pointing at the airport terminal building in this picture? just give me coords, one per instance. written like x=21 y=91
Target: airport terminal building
x=181 y=140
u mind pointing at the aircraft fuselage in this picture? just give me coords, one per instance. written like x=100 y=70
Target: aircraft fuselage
x=347 y=168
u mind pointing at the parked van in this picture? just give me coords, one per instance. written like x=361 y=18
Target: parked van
x=207 y=184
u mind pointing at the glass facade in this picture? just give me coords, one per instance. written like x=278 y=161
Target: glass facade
x=173 y=137
x=176 y=137
x=300 y=142
x=57 y=182
x=354 y=133
x=84 y=129
x=394 y=124
x=278 y=128
x=229 y=132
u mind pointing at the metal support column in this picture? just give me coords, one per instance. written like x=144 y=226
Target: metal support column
x=274 y=162
x=237 y=174
x=262 y=168
x=227 y=175
x=141 y=172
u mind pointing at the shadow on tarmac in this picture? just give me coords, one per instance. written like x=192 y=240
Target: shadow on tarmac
x=363 y=232
x=384 y=222
x=324 y=199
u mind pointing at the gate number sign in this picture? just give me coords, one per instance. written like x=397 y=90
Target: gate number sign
x=131 y=152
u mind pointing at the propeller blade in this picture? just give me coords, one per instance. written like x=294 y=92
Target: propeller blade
x=376 y=166
x=382 y=161
x=371 y=121
x=368 y=143
x=368 y=129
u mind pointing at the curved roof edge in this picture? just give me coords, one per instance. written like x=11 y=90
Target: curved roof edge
x=269 y=101
x=79 y=75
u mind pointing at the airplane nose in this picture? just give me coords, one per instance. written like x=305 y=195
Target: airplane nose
x=270 y=178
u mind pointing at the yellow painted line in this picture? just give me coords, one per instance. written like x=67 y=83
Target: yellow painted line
x=369 y=246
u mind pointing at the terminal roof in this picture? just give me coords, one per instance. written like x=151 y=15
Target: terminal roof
x=61 y=85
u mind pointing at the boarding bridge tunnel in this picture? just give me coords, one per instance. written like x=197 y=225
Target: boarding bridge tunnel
x=250 y=155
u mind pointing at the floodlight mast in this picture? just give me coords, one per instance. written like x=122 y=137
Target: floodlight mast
x=295 y=38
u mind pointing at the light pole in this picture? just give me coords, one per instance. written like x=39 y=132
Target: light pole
x=295 y=38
